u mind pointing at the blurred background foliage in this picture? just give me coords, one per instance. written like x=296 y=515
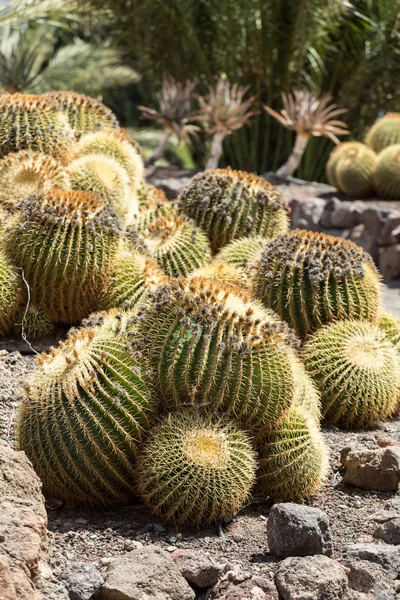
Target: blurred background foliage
x=350 y=49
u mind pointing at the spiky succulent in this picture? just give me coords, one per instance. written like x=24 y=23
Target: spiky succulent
x=386 y=176
x=34 y=324
x=25 y=173
x=177 y=245
x=356 y=370
x=11 y=294
x=106 y=178
x=84 y=114
x=390 y=325
x=153 y=204
x=334 y=158
x=85 y=416
x=210 y=346
x=29 y=122
x=243 y=252
x=65 y=242
x=222 y=273
x=385 y=132
x=231 y=204
x=354 y=171
x=311 y=279
x=195 y=469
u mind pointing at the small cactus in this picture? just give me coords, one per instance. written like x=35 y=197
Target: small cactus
x=385 y=132
x=84 y=114
x=354 y=171
x=222 y=273
x=334 y=157
x=356 y=370
x=11 y=294
x=390 y=325
x=386 y=176
x=231 y=204
x=84 y=418
x=311 y=279
x=34 y=324
x=196 y=470
x=34 y=123
x=153 y=204
x=65 y=242
x=243 y=252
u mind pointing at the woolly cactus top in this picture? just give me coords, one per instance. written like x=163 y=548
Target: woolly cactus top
x=70 y=100
x=13 y=103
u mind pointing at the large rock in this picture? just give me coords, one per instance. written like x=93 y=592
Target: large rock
x=311 y=578
x=145 y=573
x=297 y=530
x=389 y=261
x=377 y=469
x=389 y=531
x=385 y=555
x=307 y=215
x=369 y=578
x=7 y=589
x=341 y=214
x=235 y=585
x=82 y=580
x=197 y=568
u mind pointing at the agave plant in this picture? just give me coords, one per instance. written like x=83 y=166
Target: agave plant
x=308 y=116
x=223 y=111
x=174 y=114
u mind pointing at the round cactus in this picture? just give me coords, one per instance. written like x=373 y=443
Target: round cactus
x=222 y=273
x=386 y=176
x=65 y=242
x=243 y=252
x=177 y=245
x=153 y=204
x=336 y=155
x=354 y=171
x=390 y=325
x=84 y=114
x=356 y=370
x=210 y=345
x=84 y=418
x=34 y=324
x=25 y=173
x=231 y=204
x=107 y=179
x=33 y=123
x=311 y=279
x=385 y=132
x=196 y=470
x=11 y=294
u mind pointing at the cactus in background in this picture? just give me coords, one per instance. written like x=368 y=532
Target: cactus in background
x=334 y=158
x=243 y=252
x=29 y=122
x=390 y=325
x=84 y=114
x=25 y=173
x=106 y=178
x=355 y=368
x=354 y=171
x=311 y=279
x=209 y=345
x=222 y=273
x=385 y=132
x=85 y=416
x=196 y=470
x=231 y=204
x=65 y=241
x=11 y=294
x=34 y=324
x=386 y=177
x=177 y=245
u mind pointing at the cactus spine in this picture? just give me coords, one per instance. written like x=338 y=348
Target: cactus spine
x=354 y=171
x=11 y=294
x=34 y=324
x=387 y=173
x=222 y=273
x=385 y=132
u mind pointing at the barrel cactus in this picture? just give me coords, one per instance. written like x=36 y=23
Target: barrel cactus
x=33 y=324
x=243 y=252
x=390 y=325
x=153 y=204
x=386 y=176
x=385 y=132
x=334 y=157
x=222 y=273
x=11 y=294
x=355 y=368
x=311 y=279
x=84 y=114
x=65 y=242
x=195 y=469
x=354 y=171
x=29 y=122
x=231 y=204
x=86 y=412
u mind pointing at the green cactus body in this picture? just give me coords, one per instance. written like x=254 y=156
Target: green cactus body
x=133 y=276
x=356 y=370
x=222 y=273
x=243 y=252
x=84 y=114
x=386 y=176
x=177 y=245
x=335 y=156
x=390 y=325
x=84 y=419
x=354 y=171
x=210 y=346
x=33 y=123
x=196 y=470
x=11 y=294
x=385 y=132
x=65 y=242
x=25 y=173
x=34 y=324
x=231 y=204
x=311 y=279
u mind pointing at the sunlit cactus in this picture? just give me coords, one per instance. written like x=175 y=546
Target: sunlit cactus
x=231 y=204
x=311 y=279
x=339 y=151
x=385 y=132
x=65 y=242
x=354 y=171
x=390 y=325
x=356 y=370
x=222 y=273
x=243 y=252
x=386 y=176
x=195 y=469
x=34 y=123
x=33 y=324
x=11 y=294
x=86 y=412
x=153 y=204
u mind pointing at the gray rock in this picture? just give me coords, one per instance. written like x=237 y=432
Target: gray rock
x=367 y=577
x=363 y=238
x=385 y=555
x=389 y=261
x=377 y=469
x=236 y=585
x=52 y=589
x=341 y=214
x=144 y=573
x=82 y=580
x=197 y=568
x=307 y=214
x=389 y=531
x=384 y=515
x=297 y=530
x=311 y=578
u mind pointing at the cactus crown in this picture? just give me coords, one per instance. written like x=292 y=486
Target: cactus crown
x=84 y=113
x=222 y=273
